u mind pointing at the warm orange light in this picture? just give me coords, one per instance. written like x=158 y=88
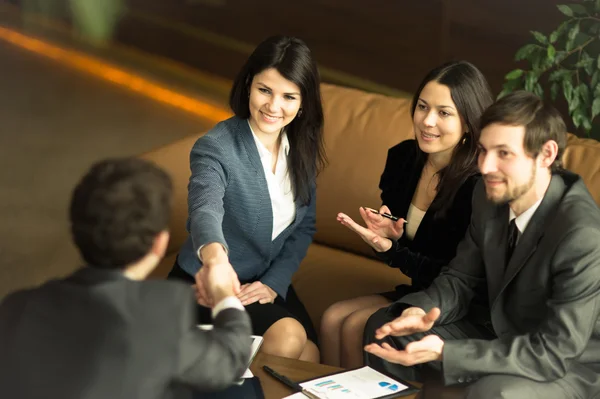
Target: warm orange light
x=113 y=74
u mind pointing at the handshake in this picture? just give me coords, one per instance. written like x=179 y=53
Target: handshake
x=217 y=280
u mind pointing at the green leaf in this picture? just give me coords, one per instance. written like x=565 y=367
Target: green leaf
x=538 y=91
x=553 y=91
x=551 y=52
x=558 y=74
x=503 y=93
x=560 y=56
x=587 y=124
x=530 y=80
x=573 y=32
x=577 y=116
x=571 y=10
x=565 y=9
x=571 y=36
x=598 y=62
x=526 y=51
x=587 y=63
x=540 y=37
x=597 y=90
x=514 y=74
x=584 y=94
x=575 y=100
x=567 y=87
x=595 y=78
x=595 y=107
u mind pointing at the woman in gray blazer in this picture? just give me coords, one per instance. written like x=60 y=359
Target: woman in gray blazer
x=251 y=195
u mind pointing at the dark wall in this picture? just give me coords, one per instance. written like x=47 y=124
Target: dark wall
x=388 y=42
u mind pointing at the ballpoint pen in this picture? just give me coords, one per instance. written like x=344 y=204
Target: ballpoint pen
x=291 y=384
x=385 y=215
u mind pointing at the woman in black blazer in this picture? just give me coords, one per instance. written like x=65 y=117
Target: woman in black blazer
x=427 y=183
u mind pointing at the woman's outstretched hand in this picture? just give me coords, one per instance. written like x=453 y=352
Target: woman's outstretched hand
x=379 y=231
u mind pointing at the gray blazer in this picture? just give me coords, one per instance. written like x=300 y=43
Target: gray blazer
x=99 y=335
x=229 y=203
x=544 y=306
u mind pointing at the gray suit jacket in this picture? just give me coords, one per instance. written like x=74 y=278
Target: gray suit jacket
x=229 y=203
x=544 y=306
x=99 y=335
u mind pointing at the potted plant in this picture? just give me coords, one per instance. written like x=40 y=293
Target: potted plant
x=567 y=61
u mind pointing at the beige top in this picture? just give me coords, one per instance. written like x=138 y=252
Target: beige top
x=413 y=219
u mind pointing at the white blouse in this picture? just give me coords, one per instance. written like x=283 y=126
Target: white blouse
x=279 y=184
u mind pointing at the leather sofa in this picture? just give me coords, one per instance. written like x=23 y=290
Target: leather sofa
x=359 y=129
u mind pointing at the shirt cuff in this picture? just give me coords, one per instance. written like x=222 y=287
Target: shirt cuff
x=202 y=246
x=230 y=302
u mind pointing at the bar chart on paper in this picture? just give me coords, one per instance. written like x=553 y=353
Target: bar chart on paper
x=361 y=383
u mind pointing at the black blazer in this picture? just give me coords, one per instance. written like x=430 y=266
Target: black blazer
x=436 y=239
x=99 y=335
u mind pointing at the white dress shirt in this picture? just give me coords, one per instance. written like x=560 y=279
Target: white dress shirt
x=279 y=184
x=523 y=219
x=227 y=303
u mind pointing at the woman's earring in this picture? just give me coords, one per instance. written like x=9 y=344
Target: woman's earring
x=464 y=140
x=299 y=112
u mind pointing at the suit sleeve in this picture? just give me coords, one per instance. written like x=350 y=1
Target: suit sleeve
x=206 y=190
x=279 y=275
x=213 y=360
x=546 y=354
x=463 y=278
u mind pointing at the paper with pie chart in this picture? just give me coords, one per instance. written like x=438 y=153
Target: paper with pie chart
x=360 y=383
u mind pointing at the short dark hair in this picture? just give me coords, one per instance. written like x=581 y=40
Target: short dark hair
x=471 y=94
x=292 y=58
x=541 y=120
x=117 y=210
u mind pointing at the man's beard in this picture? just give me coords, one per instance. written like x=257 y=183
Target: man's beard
x=516 y=192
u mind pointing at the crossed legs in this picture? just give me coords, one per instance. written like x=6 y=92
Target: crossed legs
x=342 y=326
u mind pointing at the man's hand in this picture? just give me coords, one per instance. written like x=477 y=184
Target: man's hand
x=216 y=279
x=412 y=320
x=256 y=291
x=214 y=282
x=428 y=349
x=377 y=242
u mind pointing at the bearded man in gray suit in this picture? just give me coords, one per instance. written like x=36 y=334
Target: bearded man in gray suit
x=103 y=332
x=533 y=251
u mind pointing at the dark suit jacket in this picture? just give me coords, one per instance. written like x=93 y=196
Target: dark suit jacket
x=229 y=203
x=99 y=335
x=435 y=242
x=544 y=306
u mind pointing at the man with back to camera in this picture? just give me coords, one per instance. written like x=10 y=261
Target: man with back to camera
x=533 y=246
x=102 y=332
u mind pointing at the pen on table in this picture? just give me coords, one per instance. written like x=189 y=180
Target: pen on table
x=386 y=215
x=291 y=384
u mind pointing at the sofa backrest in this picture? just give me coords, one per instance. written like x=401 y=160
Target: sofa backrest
x=359 y=129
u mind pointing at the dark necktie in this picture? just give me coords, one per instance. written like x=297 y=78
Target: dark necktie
x=513 y=235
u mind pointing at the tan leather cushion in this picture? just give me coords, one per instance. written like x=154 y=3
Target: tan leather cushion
x=175 y=159
x=329 y=275
x=359 y=129
x=582 y=156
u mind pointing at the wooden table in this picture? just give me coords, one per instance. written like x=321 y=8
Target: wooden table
x=296 y=370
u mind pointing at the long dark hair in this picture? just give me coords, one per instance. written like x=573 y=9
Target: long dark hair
x=471 y=94
x=291 y=57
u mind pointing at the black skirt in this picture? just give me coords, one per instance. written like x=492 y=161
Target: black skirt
x=262 y=316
